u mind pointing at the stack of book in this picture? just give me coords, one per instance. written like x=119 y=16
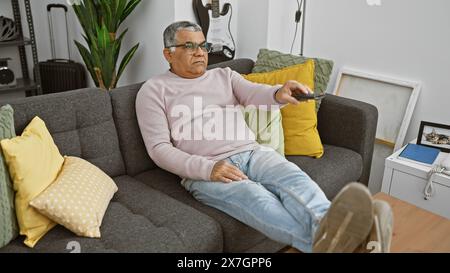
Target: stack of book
x=419 y=154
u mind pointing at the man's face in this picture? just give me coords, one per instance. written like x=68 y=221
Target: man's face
x=184 y=63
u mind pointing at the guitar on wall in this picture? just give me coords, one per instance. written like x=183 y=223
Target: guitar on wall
x=216 y=28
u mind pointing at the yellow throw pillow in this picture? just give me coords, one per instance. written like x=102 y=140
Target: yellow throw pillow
x=34 y=162
x=78 y=198
x=301 y=136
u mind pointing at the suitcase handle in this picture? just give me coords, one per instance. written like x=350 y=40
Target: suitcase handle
x=50 y=28
x=61 y=60
x=50 y=6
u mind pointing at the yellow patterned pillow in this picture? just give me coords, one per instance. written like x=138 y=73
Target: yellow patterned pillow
x=78 y=198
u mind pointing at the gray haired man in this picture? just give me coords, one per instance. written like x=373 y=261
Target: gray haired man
x=257 y=186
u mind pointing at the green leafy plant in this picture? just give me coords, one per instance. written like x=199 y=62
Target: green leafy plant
x=100 y=20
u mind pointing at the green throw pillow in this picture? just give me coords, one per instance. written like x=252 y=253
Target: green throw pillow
x=269 y=60
x=267 y=127
x=8 y=222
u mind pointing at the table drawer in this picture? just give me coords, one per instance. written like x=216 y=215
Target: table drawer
x=410 y=188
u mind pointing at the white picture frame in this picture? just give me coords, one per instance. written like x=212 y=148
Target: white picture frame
x=395 y=100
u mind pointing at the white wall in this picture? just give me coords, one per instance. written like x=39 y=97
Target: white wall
x=281 y=26
x=146 y=26
x=252 y=31
x=267 y=24
x=184 y=10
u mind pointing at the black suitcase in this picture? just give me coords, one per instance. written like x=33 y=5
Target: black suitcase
x=60 y=74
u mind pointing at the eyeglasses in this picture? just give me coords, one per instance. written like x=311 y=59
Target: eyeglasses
x=192 y=47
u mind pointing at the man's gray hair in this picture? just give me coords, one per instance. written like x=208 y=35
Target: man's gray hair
x=171 y=31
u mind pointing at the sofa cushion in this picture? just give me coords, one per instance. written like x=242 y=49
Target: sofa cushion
x=269 y=60
x=9 y=228
x=131 y=143
x=299 y=122
x=80 y=122
x=194 y=231
x=267 y=127
x=139 y=219
x=237 y=237
x=336 y=168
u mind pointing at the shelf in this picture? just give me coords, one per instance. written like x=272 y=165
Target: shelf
x=29 y=39
x=22 y=85
x=18 y=42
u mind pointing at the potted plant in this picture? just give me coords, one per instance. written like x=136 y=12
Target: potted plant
x=100 y=20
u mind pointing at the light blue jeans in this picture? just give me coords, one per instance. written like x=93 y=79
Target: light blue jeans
x=278 y=199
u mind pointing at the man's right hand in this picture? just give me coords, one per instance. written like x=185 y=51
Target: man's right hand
x=226 y=172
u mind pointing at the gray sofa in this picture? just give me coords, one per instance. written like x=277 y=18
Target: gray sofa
x=152 y=212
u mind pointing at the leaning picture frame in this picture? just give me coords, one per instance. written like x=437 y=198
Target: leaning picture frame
x=394 y=98
x=434 y=135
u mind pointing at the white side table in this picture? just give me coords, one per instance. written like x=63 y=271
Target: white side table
x=407 y=180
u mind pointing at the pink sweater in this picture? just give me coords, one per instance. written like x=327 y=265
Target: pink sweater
x=190 y=124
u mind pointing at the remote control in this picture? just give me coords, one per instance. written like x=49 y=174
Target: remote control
x=303 y=97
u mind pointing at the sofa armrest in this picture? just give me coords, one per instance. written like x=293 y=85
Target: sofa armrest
x=350 y=124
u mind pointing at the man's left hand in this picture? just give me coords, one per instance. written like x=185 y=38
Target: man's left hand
x=284 y=94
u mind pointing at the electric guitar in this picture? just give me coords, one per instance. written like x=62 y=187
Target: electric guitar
x=216 y=28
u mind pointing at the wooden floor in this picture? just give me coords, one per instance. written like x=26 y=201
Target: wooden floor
x=415 y=230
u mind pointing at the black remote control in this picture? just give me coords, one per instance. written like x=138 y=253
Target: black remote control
x=303 y=97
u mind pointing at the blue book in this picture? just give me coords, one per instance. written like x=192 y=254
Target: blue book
x=420 y=154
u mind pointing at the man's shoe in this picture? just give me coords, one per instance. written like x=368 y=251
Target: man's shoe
x=380 y=237
x=348 y=221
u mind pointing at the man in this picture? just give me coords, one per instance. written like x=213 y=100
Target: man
x=185 y=116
